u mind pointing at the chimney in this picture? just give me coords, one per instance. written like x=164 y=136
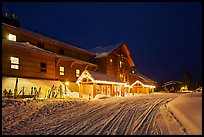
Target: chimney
x=11 y=19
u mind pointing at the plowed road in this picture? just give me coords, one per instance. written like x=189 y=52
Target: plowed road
x=134 y=115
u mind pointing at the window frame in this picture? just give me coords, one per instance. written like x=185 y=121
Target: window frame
x=61 y=72
x=14 y=62
x=11 y=37
x=42 y=67
x=77 y=72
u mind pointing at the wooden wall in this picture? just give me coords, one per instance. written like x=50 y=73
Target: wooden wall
x=29 y=63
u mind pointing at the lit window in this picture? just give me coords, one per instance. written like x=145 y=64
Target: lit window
x=133 y=72
x=111 y=60
x=121 y=64
x=121 y=76
x=12 y=37
x=43 y=67
x=14 y=63
x=14 y=66
x=61 y=70
x=77 y=72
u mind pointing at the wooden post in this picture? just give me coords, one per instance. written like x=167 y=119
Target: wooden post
x=128 y=91
x=16 y=88
x=80 y=91
x=106 y=90
x=94 y=90
x=100 y=89
x=137 y=89
x=122 y=91
x=152 y=90
x=142 y=90
x=112 y=90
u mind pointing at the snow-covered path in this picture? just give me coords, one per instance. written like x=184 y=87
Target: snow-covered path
x=134 y=115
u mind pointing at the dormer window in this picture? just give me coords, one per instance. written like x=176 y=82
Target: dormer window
x=121 y=64
x=11 y=37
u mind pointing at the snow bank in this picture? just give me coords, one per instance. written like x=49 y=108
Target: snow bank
x=100 y=96
x=45 y=85
x=71 y=94
x=187 y=108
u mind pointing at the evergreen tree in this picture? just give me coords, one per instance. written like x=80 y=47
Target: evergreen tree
x=187 y=80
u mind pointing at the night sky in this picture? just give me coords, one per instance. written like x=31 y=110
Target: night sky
x=164 y=39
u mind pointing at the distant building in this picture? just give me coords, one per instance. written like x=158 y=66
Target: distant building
x=172 y=86
x=199 y=89
x=107 y=70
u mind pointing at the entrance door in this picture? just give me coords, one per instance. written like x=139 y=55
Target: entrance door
x=88 y=91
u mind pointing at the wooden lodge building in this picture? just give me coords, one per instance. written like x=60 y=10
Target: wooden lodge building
x=33 y=59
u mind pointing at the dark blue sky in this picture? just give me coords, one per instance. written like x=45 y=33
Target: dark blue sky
x=165 y=39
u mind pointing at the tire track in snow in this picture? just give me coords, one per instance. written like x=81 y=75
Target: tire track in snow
x=114 y=116
x=80 y=122
x=141 y=124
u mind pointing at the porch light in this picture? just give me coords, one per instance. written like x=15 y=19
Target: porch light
x=67 y=83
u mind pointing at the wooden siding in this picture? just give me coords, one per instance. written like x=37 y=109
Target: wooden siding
x=29 y=63
x=114 y=68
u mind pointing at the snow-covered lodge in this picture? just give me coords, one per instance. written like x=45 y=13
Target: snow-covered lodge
x=32 y=60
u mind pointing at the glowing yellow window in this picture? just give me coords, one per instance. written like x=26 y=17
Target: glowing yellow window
x=77 y=72
x=111 y=60
x=133 y=72
x=121 y=76
x=12 y=37
x=61 y=70
x=14 y=63
x=121 y=64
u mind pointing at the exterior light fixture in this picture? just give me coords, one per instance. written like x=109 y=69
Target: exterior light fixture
x=66 y=83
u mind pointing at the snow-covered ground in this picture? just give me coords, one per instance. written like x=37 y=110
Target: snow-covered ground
x=187 y=109
x=142 y=114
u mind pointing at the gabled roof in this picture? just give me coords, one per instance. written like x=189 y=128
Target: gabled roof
x=143 y=83
x=104 y=77
x=143 y=79
x=146 y=79
x=104 y=51
x=172 y=82
x=97 y=77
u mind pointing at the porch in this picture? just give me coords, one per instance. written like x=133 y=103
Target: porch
x=93 y=83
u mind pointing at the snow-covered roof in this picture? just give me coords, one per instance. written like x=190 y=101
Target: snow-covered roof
x=146 y=79
x=103 y=51
x=75 y=60
x=172 y=82
x=27 y=45
x=49 y=38
x=99 y=78
x=104 y=77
